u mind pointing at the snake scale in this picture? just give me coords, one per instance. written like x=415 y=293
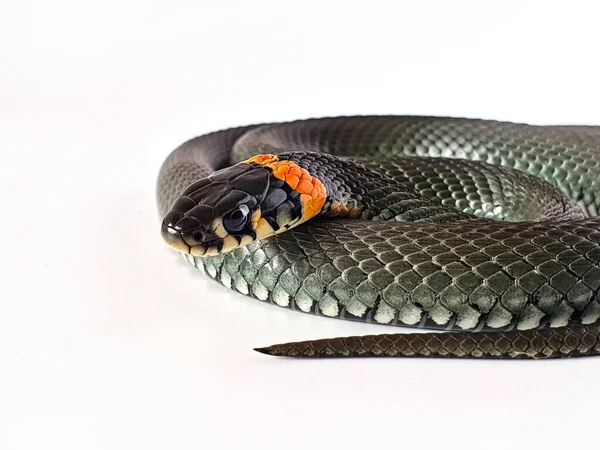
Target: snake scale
x=485 y=230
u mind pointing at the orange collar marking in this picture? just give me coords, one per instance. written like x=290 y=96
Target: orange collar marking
x=312 y=191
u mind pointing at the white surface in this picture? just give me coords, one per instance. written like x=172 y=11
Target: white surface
x=109 y=341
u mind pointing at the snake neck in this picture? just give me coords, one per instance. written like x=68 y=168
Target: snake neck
x=357 y=192
x=508 y=280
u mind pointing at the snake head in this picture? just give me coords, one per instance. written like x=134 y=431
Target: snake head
x=240 y=204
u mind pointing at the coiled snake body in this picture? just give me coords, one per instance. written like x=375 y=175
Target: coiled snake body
x=484 y=229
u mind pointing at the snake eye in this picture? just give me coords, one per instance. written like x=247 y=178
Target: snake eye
x=237 y=219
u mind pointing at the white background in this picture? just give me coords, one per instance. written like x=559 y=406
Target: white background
x=109 y=341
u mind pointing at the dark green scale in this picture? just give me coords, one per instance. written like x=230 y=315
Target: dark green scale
x=464 y=236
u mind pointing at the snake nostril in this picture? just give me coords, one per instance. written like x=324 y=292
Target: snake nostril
x=171 y=219
x=195 y=237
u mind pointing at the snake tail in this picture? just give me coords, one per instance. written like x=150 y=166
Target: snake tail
x=485 y=230
x=530 y=344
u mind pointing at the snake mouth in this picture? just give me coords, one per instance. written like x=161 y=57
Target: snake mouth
x=210 y=248
x=174 y=239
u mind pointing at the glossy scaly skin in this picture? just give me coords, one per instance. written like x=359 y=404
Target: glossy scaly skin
x=534 y=344
x=508 y=279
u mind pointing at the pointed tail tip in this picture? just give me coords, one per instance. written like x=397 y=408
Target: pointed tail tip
x=274 y=350
x=264 y=350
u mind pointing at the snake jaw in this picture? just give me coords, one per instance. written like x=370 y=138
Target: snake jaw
x=419 y=262
x=236 y=206
x=174 y=239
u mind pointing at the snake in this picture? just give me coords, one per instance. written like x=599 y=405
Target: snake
x=485 y=233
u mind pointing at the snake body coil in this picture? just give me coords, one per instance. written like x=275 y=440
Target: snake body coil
x=484 y=229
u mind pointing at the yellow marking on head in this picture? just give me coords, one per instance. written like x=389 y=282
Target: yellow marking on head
x=198 y=250
x=256 y=215
x=263 y=229
x=211 y=251
x=246 y=239
x=229 y=243
x=218 y=228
